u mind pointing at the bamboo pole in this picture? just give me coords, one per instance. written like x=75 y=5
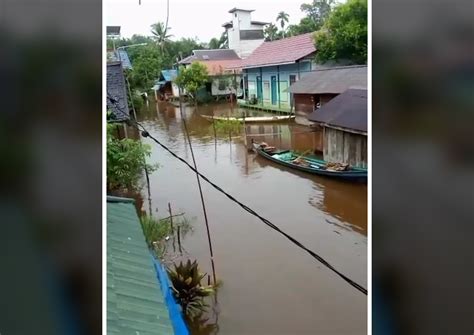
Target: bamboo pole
x=200 y=191
x=172 y=228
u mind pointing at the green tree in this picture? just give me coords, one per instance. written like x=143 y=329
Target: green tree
x=218 y=43
x=192 y=78
x=318 y=11
x=125 y=162
x=344 y=34
x=270 y=32
x=160 y=33
x=147 y=63
x=306 y=25
x=283 y=18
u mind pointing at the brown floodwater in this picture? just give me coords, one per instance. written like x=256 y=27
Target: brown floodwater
x=269 y=285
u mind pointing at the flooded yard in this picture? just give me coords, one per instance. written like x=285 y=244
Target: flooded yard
x=270 y=286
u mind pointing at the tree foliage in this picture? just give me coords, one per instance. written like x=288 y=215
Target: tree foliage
x=283 y=18
x=125 y=161
x=159 y=54
x=219 y=43
x=317 y=11
x=160 y=34
x=344 y=34
x=192 y=78
x=270 y=32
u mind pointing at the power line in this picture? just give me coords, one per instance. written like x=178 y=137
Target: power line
x=357 y=286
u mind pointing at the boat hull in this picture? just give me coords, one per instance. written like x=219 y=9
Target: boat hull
x=356 y=175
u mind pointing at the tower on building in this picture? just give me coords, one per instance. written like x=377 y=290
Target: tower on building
x=243 y=34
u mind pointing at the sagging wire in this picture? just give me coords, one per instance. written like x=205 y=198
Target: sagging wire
x=267 y=222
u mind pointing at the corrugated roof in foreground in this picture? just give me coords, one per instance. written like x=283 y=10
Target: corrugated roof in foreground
x=348 y=110
x=135 y=304
x=331 y=80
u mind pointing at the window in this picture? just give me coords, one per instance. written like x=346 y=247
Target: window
x=251 y=34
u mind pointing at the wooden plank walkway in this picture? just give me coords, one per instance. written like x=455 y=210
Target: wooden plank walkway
x=266 y=108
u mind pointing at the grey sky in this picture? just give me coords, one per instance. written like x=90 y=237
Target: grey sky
x=201 y=18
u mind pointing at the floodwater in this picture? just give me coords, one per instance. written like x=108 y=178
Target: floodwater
x=269 y=285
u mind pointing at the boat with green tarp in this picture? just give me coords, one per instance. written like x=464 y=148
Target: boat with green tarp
x=304 y=163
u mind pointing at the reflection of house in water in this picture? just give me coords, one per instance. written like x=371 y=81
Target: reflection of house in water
x=285 y=136
x=347 y=203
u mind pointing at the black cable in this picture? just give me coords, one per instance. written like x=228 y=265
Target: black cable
x=145 y=133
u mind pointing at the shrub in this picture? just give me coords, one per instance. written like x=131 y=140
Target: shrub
x=126 y=162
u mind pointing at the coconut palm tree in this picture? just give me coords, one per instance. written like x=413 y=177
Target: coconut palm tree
x=160 y=34
x=283 y=18
x=270 y=32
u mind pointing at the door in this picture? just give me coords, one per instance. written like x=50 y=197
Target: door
x=259 y=89
x=274 y=90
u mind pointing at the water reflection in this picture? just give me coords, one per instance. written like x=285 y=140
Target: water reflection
x=329 y=216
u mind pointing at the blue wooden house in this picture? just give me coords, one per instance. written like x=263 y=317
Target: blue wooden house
x=272 y=68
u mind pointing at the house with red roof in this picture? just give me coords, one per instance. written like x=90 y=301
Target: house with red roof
x=273 y=67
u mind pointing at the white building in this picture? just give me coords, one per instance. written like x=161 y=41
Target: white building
x=244 y=35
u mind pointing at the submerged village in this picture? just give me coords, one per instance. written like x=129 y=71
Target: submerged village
x=237 y=176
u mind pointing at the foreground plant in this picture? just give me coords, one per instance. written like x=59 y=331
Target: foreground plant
x=188 y=291
x=156 y=231
x=126 y=162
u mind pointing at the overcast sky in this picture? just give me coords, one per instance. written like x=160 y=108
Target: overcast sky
x=200 y=18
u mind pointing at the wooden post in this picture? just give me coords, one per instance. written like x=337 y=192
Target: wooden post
x=171 y=218
x=179 y=240
x=125 y=129
x=245 y=132
x=172 y=228
x=278 y=93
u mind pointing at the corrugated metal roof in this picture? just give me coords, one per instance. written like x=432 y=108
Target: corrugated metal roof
x=284 y=51
x=169 y=75
x=331 y=80
x=116 y=90
x=120 y=55
x=123 y=57
x=348 y=110
x=213 y=54
x=135 y=304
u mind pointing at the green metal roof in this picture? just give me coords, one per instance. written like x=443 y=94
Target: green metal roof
x=135 y=304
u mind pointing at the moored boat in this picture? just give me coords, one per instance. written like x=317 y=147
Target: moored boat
x=311 y=165
x=273 y=118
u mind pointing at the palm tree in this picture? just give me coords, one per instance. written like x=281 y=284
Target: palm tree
x=270 y=32
x=160 y=34
x=283 y=18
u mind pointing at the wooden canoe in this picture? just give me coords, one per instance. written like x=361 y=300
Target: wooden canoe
x=312 y=165
x=273 y=118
